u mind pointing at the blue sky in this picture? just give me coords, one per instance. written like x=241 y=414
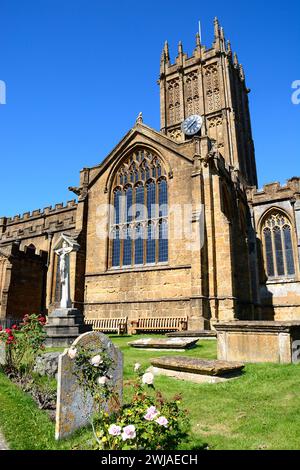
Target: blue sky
x=79 y=71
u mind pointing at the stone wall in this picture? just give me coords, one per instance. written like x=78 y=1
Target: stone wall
x=205 y=282
x=24 y=278
x=279 y=299
x=37 y=230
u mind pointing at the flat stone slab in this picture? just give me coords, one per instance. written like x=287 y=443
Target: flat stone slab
x=201 y=334
x=196 y=370
x=197 y=366
x=171 y=344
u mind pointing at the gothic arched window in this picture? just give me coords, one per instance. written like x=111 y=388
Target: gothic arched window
x=278 y=245
x=139 y=223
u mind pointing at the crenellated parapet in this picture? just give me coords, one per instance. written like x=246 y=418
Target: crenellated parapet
x=273 y=192
x=38 y=222
x=37 y=213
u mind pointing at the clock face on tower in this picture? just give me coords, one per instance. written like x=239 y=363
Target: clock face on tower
x=192 y=125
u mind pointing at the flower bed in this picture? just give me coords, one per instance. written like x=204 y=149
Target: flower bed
x=150 y=422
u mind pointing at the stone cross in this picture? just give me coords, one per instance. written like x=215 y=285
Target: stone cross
x=74 y=407
x=64 y=247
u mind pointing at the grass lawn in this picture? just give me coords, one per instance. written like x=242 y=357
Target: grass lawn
x=260 y=410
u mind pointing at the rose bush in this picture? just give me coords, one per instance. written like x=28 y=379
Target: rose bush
x=93 y=373
x=24 y=343
x=150 y=422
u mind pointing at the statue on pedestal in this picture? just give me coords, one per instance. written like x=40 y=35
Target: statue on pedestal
x=65 y=323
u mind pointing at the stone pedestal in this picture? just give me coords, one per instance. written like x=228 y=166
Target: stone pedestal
x=64 y=325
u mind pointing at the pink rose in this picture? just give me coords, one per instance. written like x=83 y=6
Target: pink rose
x=151 y=413
x=114 y=430
x=128 y=432
x=162 y=421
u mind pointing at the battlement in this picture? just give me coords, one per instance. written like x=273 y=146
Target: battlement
x=275 y=191
x=38 y=213
x=38 y=222
x=28 y=252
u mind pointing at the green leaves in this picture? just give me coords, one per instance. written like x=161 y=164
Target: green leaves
x=27 y=343
x=143 y=413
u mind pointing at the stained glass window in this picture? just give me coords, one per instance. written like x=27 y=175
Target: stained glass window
x=151 y=243
x=278 y=246
x=269 y=252
x=140 y=223
x=117 y=206
x=139 y=245
x=116 y=248
x=127 y=247
x=163 y=241
x=289 y=250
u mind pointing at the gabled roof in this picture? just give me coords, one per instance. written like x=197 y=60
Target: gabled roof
x=155 y=138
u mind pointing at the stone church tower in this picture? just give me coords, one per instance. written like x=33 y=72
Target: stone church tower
x=213 y=248
x=210 y=83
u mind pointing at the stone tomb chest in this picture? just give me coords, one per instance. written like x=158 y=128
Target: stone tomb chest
x=259 y=341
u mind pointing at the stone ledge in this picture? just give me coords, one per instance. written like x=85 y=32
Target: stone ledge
x=257 y=326
x=201 y=334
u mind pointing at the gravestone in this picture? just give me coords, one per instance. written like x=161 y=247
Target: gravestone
x=2 y=353
x=74 y=407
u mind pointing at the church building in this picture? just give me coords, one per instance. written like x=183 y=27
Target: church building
x=171 y=223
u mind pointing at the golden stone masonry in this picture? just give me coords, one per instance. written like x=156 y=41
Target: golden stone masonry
x=245 y=267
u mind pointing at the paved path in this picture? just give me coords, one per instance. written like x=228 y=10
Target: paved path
x=3 y=445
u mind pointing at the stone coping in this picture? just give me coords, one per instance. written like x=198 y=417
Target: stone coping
x=258 y=326
x=193 y=334
x=197 y=366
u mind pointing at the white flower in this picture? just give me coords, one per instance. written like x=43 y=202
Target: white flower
x=128 y=432
x=136 y=366
x=96 y=360
x=162 y=421
x=148 y=378
x=102 y=380
x=151 y=413
x=72 y=352
x=114 y=430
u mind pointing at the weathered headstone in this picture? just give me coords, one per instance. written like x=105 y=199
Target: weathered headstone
x=2 y=353
x=74 y=407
